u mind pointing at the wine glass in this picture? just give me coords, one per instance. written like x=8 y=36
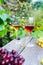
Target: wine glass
x=16 y=29
x=30 y=28
x=31 y=24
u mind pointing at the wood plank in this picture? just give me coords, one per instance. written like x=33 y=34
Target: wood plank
x=17 y=44
x=31 y=54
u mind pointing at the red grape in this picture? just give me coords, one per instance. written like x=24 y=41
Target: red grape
x=3 y=51
x=10 y=58
x=3 y=62
x=6 y=52
x=22 y=60
x=4 y=57
x=13 y=52
x=7 y=61
x=16 y=62
x=20 y=57
x=20 y=63
x=9 y=64
x=15 y=55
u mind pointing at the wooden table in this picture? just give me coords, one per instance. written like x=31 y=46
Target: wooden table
x=17 y=44
x=32 y=54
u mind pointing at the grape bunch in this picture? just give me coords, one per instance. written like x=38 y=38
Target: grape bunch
x=10 y=58
x=40 y=42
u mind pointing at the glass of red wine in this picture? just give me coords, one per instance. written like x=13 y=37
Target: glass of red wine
x=30 y=26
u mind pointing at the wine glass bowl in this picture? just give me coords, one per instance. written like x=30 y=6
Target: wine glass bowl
x=29 y=28
x=16 y=27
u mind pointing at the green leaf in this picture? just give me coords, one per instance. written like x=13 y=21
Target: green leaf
x=3 y=31
x=1 y=22
x=37 y=34
x=1 y=8
x=4 y=17
x=1 y=1
x=21 y=33
x=34 y=34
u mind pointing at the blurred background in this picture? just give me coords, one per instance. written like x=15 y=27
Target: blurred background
x=20 y=18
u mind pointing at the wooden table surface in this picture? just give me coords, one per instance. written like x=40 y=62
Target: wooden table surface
x=17 y=44
x=30 y=53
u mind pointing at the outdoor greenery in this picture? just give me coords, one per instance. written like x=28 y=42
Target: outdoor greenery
x=18 y=13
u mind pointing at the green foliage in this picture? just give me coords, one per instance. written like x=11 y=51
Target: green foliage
x=38 y=5
x=4 y=17
x=37 y=34
x=3 y=31
x=39 y=25
x=1 y=22
x=19 y=33
x=1 y=2
x=25 y=1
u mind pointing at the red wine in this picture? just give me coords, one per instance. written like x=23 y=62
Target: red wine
x=29 y=28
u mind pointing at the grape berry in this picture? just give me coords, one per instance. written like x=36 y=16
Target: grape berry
x=10 y=58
